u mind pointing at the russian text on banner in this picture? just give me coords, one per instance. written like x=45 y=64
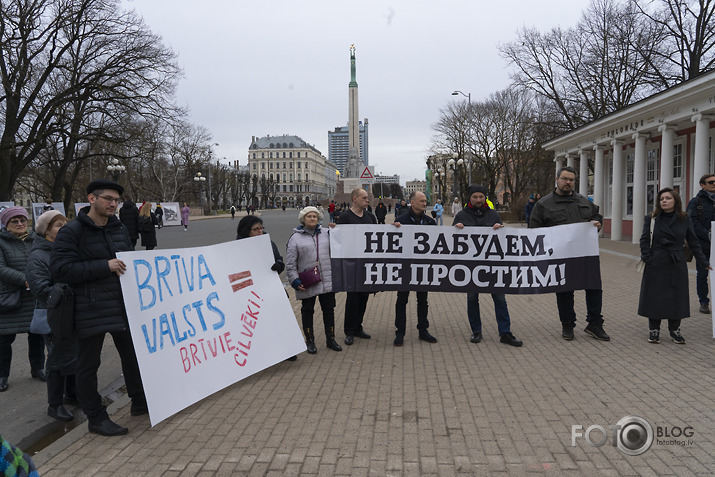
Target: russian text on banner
x=204 y=318
x=474 y=259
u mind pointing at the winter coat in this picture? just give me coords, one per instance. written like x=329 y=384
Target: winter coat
x=301 y=255
x=13 y=261
x=409 y=218
x=80 y=257
x=129 y=216
x=482 y=217
x=381 y=212
x=702 y=211
x=62 y=354
x=438 y=209
x=664 y=287
x=528 y=208
x=456 y=208
x=557 y=209
x=147 y=230
x=185 y=216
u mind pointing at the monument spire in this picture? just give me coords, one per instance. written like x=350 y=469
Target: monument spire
x=352 y=168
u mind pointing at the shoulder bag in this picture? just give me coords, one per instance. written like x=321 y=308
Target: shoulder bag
x=311 y=276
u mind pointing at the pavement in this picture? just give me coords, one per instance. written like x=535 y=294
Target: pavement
x=450 y=408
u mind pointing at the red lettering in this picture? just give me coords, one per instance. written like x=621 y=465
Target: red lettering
x=185 y=359
x=257 y=295
x=244 y=332
x=194 y=350
x=227 y=337
x=214 y=349
x=202 y=347
x=236 y=358
x=247 y=347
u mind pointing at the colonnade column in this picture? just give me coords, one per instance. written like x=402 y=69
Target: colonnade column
x=639 y=167
x=569 y=161
x=583 y=173
x=666 y=156
x=701 y=166
x=617 y=191
x=559 y=164
x=598 y=194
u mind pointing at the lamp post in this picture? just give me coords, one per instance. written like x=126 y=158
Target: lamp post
x=115 y=168
x=469 y=100
x=199 y=179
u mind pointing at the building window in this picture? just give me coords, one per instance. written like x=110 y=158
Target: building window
x=285 y=188
x=271 y=176
x=298 y=153
x=263 y=155
x=629 y=169
x=306 y=177
x=299 y=177
x=270 y=165
x=291 y=176
x=290 y=154
x=263 y=165
x=290 y=187
x=284 y=165
x=254 y=155
x=284 y=177
x=254 y=166
x=290 y=165
x=298 y=166
x=678 y=161
x=651 y=169
x=610 y=172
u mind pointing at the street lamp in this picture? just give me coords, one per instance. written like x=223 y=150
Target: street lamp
x=199 y=179
x=469 y=100
x=115 y=168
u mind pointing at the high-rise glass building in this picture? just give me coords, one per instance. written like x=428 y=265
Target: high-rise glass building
x=338 y=148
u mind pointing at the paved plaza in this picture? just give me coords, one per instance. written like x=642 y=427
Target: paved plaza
x=450 y=408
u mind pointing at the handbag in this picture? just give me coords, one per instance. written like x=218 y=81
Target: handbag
x=640 y=266
x=688 y=252
x=39 y=325
x=60 y=311
x=10 y=300
x=311 y=276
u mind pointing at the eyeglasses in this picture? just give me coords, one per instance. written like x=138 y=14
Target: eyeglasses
x=22 y=220
x=710 y=182
x=256 y=229
x=109 y=199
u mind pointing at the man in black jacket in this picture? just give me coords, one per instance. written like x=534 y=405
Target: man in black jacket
x=478 y=214
x=83 y=256
x=701 y=209
x=129 y=216
x=381 y=212
x=413 y=215
x=356 y=302
x=564 y=206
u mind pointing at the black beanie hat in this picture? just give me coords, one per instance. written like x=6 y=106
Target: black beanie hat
x=245 y=225
x=476 y=188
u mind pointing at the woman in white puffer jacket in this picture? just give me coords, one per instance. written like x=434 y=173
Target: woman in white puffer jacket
x=308 y=249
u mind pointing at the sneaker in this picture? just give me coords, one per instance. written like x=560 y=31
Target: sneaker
x=567 y=332
x=654 y=336
x=476 y=337
x=425 y=336
x=509 y=339
x=705 y=308
x=597 y=332
x=677 y=337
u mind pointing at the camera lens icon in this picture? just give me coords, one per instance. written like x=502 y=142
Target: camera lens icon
x=634 y=435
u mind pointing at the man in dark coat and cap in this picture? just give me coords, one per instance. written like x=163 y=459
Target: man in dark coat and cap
x=129 y=216
x=84 y=256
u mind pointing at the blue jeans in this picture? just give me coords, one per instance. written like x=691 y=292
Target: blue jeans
x=594 y=301
x=438 y=219
x=702 y=277
x=500 y=309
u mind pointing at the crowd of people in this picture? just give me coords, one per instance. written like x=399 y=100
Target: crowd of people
x=81 y=255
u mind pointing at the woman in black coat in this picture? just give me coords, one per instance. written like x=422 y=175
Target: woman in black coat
x=664 y=287
x=147 y=222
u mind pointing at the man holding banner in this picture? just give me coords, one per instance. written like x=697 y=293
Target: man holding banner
x=564 y=206
x=413 y=215
x=477 y=213
x=83 y=256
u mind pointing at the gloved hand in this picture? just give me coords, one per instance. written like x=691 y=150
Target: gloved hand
x=296 y=283
x=276 y=267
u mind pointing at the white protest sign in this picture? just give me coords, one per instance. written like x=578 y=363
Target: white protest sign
x=204 y=318
x=712 y=276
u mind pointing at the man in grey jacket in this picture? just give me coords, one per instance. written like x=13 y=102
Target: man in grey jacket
x=564 y=206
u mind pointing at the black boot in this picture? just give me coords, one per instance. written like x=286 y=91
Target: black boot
x=310 y=340
x=330 y=339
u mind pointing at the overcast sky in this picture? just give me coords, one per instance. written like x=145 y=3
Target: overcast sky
x=254 y=68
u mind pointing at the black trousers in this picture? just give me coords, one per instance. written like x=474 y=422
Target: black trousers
x=327 y=305
x=88 y=361
x=355 y=306
x=401 y=311
x=654 y=324
x=35 y=351
x=567 y=315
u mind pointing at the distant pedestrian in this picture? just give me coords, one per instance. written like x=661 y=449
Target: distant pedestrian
x=185 y=211
x=147 y=224
x=664 y=286
x=233 y=212
x=529 y=207
x=284 y=208
x=129 y=216
x=380 y=212
x=159 y=213
x=84 y=256
x=438 y=210
x=456 y=207
x=331 y=211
